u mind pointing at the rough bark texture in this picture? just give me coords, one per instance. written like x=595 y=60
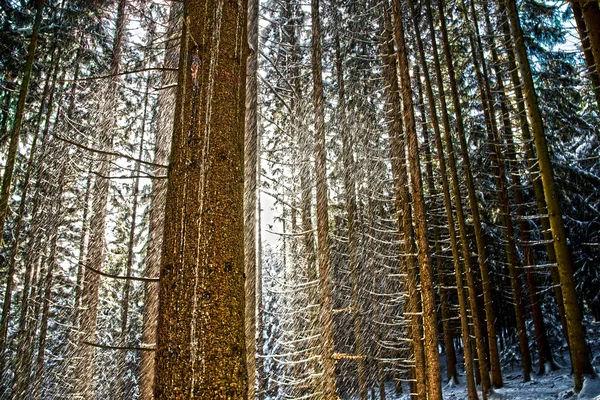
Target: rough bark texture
x=577 y=344
x=408 y=265
x=432 y=357
x=201 y=342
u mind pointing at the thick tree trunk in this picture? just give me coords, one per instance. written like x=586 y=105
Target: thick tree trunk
x=577 y=344
x=200 y=349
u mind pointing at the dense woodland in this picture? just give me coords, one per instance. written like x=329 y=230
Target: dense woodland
x=277 y=199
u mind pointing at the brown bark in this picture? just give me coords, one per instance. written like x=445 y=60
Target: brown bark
x=432 y=357
x=408 y=265
x=200 y=349
x=577 y=344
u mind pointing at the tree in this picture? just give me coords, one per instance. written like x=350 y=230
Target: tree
x=577 y=344
x=201 y=342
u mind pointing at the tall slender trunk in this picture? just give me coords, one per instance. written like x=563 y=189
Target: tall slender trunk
x=494 y=362
x=13 y=146
x=532 y=165
x=451 y=372
x=432 y=357
x=408 y=264
x=250 y=194
x=24 y=338
x=544 y=351
x=351 y=211
x=499 y=172
x=325 y=271
x=468 y=356
x=162 y=141
x=200 y=350
x=577 y=344
x=100 y=192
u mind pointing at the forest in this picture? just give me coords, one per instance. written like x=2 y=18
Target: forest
x=293 y=199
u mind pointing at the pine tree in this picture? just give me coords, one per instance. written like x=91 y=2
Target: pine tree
x=201 y=343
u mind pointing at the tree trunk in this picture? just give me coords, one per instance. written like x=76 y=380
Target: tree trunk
x=200 y=349
x=13 y=147
x=588 y=55
x=432 y=357
x=532 y=166
x=250 y=194
x=325 y=271
x=577 y=344
x=408 y=263
x=482 y=257
x=166 y=105
x=100 y=192
x=499 y=173
x=543 y=345
x=351 y=211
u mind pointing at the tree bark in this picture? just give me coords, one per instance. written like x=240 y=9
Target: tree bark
x=200 y=349
x=432 y=357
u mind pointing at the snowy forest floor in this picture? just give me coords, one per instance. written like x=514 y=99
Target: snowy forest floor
x=553 y=385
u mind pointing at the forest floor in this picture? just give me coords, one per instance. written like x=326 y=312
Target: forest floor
x=553 y=385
